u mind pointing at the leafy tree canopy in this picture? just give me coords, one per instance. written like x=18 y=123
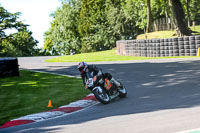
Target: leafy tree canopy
x=20 y=43
x=94 y=25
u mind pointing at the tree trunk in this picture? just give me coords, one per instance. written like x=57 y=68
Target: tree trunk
x=188 y=11
x=167 y=20
x=179 y=17
x=149 y=18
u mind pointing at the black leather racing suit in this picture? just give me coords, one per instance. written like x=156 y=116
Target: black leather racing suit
x=95 y=70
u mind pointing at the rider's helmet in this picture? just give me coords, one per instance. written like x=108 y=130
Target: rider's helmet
x=82 y=66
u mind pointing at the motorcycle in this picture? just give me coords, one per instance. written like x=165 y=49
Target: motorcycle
x=103 y=89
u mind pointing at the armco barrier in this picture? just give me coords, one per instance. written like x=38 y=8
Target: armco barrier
x=180 y=46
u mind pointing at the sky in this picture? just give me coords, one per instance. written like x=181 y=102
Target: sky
x=35 y=13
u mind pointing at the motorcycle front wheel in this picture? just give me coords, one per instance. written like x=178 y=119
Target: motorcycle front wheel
x=101 y=95
x=122 y=91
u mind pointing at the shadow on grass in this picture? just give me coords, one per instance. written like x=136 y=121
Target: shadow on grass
x=30 y=92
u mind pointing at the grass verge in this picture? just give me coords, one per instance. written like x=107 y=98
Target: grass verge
x=166 y=34
x=30 y=92
x=108 y=55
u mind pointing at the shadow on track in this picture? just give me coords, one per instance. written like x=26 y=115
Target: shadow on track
x=151 y=87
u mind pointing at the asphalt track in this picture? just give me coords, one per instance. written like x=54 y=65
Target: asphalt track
x=163 y=97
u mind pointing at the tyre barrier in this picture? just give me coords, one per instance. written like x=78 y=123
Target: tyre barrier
x=180 y=46
x=9 y=67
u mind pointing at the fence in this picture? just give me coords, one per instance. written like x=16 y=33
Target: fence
x=162 y=24
x=181 y=46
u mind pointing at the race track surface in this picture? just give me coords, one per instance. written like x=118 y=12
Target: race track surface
x=163 y=97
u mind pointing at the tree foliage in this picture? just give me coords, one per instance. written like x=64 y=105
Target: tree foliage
x=19 y=43
x=93 y=25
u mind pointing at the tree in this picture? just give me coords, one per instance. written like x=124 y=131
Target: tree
x=192 y=10
x=149 y=18
x=121 y=19
x=20 y=43
x=93 y=26
x=179 y=17
x=90 y=25
x=188 y=11
x=9 y=21
x=63 y=34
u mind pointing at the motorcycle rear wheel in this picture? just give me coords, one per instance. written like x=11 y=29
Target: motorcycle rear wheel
x=101 y=96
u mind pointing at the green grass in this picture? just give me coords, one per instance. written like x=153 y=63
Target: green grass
x=30 y=92
x=166 y=34
x=108 y=55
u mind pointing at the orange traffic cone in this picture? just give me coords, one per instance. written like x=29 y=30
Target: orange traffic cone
x=50 y=105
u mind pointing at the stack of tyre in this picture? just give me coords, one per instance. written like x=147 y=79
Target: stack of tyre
x=174 y=47
x=9 y=67
x=134 y=48
x=197 y=42
x=154 y=48
x=162 y=48
x=182 y=46
x=192 y=46
x=128 y=47
x=137 y=48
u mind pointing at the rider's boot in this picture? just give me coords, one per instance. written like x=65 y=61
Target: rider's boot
x=115 y=82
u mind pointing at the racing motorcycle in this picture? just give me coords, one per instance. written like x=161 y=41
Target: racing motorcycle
x=103 y=89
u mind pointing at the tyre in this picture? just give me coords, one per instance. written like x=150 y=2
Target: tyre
x=181 y=42
x=174 y=39
x=197 y=42
x=192 y=51
x=181 y=50
x=193 y=54
x=166 y=40
x=175 y=47
x=187 y=50
x=192 y=46
x=187 y=54
x=191 y=37
x=181 y=46
x=166 y=47
x=197 y=37
x=198 y=46
x=186 y=42
x=175 y=51
x=192 y=42
x=122 y=92
x=170 y=47
x=180 y=39
x=101 y=95
x=186 y=38
x=186 y=46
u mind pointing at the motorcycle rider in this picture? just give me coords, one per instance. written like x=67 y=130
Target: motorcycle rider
x=84 y=68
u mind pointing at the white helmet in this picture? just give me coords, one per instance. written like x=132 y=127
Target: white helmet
x=82 y=66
